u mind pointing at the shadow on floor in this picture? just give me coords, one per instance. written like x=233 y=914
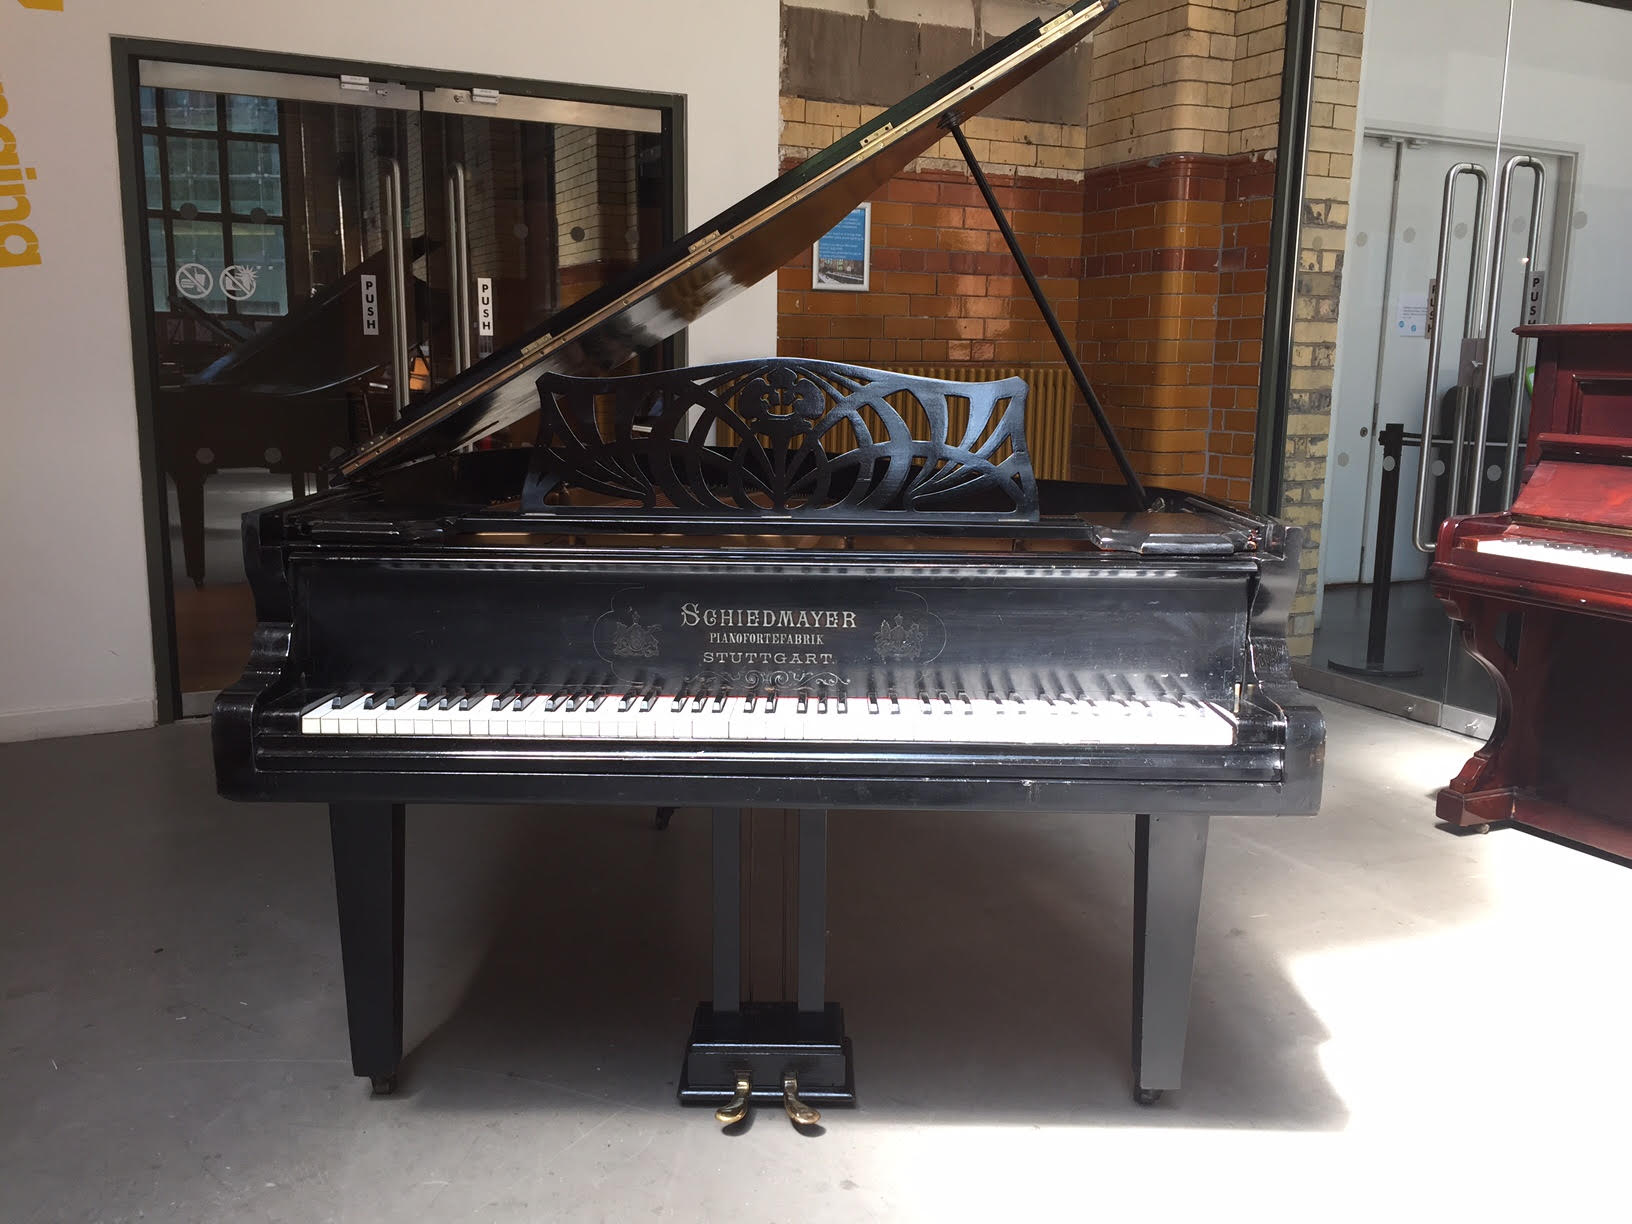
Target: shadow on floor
x=984 y=964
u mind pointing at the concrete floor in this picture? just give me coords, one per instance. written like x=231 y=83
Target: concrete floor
x=1387 y=1018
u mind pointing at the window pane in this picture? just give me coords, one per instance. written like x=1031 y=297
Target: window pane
x=252 y=114
x=150 y=171
x=255 y=176
x=202 y=242
x=158 y=264
x=195 y=173
x=187 y=108
x=149 y=107
x=259 y=249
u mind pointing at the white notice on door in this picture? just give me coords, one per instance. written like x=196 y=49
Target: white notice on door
x=484 y=305
x=371 y=304
x=1411 y=316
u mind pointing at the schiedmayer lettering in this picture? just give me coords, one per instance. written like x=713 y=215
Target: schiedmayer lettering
x=693 y=614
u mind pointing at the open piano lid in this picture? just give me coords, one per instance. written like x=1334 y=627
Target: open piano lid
x=724 y=255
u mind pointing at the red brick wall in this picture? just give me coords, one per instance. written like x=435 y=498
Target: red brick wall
x=1175 y=252
x=943 y=287
x=1156 y=271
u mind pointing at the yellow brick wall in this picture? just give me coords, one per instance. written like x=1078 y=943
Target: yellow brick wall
x=1004 y=146
x=1323 y=232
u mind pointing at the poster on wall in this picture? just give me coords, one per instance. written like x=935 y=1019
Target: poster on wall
x=843 y=254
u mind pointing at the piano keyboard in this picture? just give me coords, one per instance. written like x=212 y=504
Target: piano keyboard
x=667 y=717
x=1552 y=552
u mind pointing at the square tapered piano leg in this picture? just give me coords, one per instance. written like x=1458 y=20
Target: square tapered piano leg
x=368 y=860
x=784 y=1052
x=1169 y=854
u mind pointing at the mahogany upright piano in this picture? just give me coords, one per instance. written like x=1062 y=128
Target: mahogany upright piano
x=1543 y=593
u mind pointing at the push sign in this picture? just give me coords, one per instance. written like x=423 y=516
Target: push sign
x=1535 y=294
x=371 y=304
x=484 y=305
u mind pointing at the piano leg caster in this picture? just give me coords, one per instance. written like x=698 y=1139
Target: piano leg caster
x=664 y=815
x=383 y=1085
x=1147 y=1096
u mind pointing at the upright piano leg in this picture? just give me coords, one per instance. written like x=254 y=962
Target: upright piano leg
x=1169 y=853
x=368 y=857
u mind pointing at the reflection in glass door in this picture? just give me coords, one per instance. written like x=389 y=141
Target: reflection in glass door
x=321 y=253
x=1487 y=193
x=1430 y=100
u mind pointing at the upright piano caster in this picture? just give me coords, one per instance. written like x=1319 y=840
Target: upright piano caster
x=736 y=1109
x=383 y=1085
x=1147 y=1096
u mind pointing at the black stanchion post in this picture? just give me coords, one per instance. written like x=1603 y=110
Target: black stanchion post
x=1392 y=439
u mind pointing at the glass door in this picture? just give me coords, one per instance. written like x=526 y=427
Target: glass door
x=322 y=252
x=1490 y=189
x=1414 y=276
x=534 y=202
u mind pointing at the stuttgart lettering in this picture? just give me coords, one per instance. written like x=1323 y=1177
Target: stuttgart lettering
x=19 y=247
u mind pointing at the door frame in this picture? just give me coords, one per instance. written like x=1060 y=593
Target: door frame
x=126 y=54
x=1559 y=240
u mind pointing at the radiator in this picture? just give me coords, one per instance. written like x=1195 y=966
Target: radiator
x=1049 y=397
x=1050 y=394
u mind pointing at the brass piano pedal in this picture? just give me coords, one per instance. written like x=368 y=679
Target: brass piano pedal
x=736 y=1109
x=799 y=1113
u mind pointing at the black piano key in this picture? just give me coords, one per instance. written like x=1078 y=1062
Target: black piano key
x=430 y=699
x=680 y=695
x=699 y=701
x=450 y=698
x=719 y=701
x=318 y=704
x=380 y=696
x=844 y=704
x=627 y=701
x=526 y=699
x=346 y=698
x=472 y=699
x=804 y=704
x=503 y=700
x=872 y=703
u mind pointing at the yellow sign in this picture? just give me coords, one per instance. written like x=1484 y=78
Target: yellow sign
x=46 y=6
x=18 y=245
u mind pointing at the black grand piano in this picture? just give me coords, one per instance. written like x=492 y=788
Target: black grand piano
x=765 y=584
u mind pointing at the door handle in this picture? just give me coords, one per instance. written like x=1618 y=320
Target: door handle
x=1538 y=192
x=459 y=267
x=1436 y=325
x=396 y=259
x=1493 y=297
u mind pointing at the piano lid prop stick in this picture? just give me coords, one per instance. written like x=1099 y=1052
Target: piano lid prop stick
x=1078 y=375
